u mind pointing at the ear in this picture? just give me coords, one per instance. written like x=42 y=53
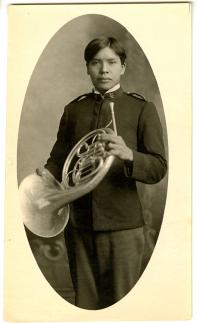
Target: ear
x=123 y=69
x=87 y=67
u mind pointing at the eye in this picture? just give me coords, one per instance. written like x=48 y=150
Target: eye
x=112 y=62
x=93 y=63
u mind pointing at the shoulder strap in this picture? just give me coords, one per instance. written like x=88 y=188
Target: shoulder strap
x=81 y=97
x=136 y=95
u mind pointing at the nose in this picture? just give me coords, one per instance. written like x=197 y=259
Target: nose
x=104 y=67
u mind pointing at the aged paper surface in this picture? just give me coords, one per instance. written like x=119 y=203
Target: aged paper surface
x=164 y=290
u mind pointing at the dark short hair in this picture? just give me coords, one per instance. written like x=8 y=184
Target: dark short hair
x=99 y=43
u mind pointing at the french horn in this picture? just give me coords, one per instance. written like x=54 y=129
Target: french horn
x=45 y=202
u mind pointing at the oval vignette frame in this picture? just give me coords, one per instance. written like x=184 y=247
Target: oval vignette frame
x=50 y=88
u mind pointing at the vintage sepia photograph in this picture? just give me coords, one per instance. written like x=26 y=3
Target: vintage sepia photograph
x=116 y=138
x=92 y=159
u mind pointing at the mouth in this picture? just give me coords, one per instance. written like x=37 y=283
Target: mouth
x=102 y=79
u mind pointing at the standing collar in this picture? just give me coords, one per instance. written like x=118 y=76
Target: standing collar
x=111 y=93
x=113 y=89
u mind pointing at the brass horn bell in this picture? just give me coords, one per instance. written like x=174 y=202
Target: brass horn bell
x=45 y=202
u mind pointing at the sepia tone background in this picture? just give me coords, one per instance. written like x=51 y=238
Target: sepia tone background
x=164 y=289
x=60 y=76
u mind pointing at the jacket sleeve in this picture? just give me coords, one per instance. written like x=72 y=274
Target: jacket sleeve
x=149 y=161
x=60 y=149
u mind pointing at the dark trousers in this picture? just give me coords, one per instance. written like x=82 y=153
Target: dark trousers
x=104 y=266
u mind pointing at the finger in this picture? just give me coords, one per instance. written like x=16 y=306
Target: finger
x=111 y=138
x=118 y=146
x=99 y=150
x=115 y=152
x=100 y=145
x=109 y=131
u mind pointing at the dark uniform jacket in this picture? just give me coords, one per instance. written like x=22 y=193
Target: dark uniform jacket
x=114 y=204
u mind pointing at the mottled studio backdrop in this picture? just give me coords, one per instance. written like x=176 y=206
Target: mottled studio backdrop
x=60 y=76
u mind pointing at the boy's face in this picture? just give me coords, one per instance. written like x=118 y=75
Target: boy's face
x=105 y=69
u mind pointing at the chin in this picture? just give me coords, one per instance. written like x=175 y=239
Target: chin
x=103 y=89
